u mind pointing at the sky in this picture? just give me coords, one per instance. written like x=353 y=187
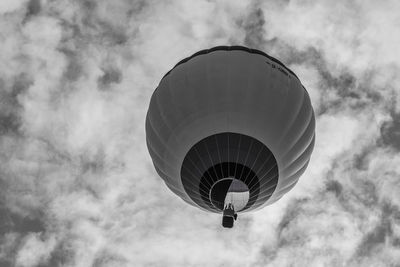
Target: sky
x=77 y=185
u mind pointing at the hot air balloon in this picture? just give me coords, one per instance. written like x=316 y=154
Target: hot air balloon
x=230 y=130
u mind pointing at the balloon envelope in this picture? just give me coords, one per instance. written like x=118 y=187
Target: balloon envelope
x=230 y=114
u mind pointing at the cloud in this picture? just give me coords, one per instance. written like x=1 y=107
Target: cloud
x=77 y=186
x=8 y=6
x=34 y=250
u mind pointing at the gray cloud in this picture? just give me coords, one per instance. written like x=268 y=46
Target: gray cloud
x=33 y=8
x=254 y=28
x=390 y=131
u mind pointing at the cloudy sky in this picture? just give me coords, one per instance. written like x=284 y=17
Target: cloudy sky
x=77 y=185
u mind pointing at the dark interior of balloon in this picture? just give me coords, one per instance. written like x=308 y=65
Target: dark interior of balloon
x=229 y=155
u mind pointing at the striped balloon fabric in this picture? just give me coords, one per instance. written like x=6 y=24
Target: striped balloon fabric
x=230 y=116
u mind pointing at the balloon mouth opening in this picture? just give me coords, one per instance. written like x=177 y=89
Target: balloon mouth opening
x=220 y=189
